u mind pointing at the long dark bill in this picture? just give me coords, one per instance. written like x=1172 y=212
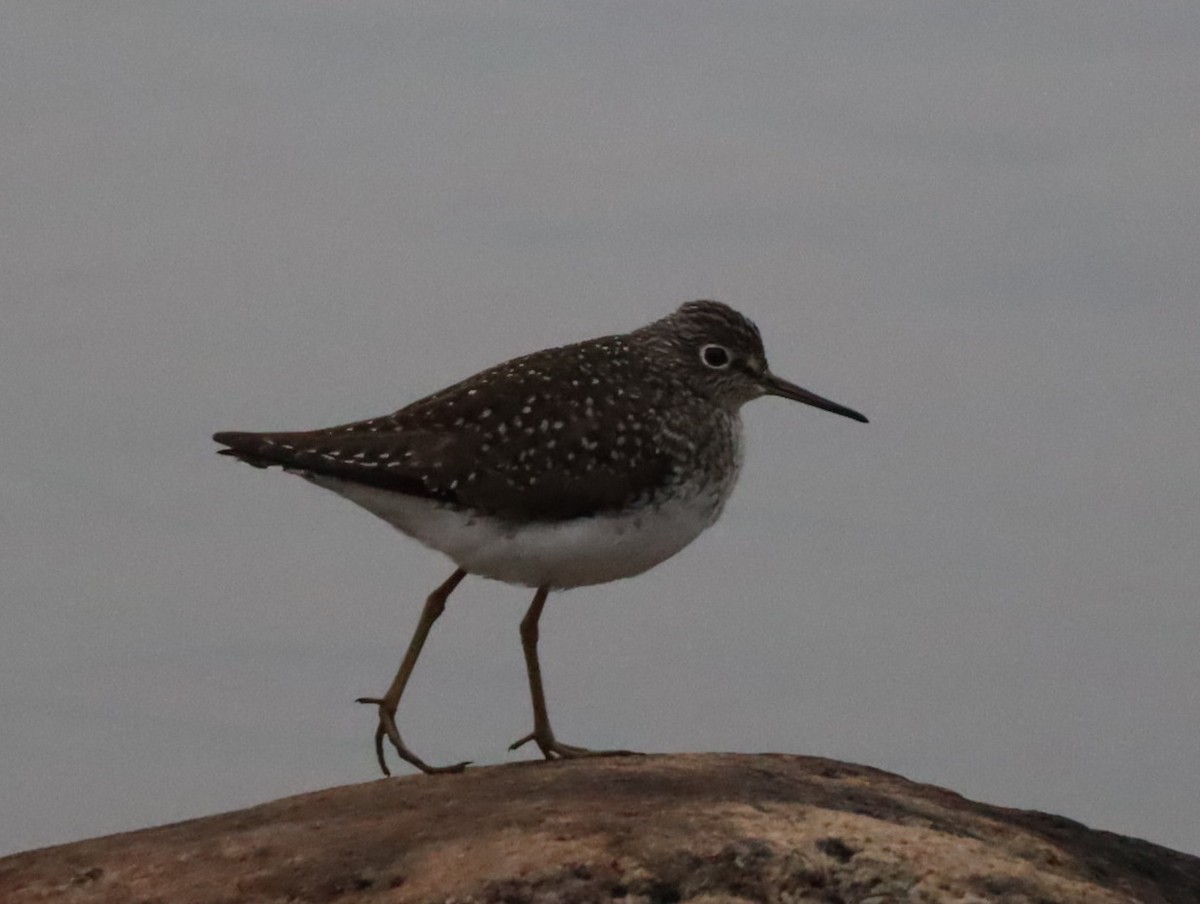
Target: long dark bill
x=782 y=388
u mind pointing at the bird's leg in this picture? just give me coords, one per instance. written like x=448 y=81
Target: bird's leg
x=434 y=606
x=542 y=735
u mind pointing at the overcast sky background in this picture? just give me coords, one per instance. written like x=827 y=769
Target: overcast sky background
x=976 y=223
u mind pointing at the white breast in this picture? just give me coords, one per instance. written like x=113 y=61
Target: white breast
x=559 y=554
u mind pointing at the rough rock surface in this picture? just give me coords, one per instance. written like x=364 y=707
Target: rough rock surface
x=660 y=829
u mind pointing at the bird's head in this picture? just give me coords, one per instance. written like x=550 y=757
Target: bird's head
x=722 y=352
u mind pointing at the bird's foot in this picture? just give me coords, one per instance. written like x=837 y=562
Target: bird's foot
x=553 y=749
x=387 y=729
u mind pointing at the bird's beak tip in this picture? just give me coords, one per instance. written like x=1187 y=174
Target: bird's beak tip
x=777 y=386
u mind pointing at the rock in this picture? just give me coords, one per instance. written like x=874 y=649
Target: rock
x=697 y=828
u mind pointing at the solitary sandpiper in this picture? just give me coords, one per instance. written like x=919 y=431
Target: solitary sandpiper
x=566 y=467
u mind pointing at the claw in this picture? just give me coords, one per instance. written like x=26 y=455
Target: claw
x=553 y=749
x=522 y=741
x=387 y=729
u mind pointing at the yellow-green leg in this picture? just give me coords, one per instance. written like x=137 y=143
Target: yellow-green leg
x=542 y=734
x=434 y=606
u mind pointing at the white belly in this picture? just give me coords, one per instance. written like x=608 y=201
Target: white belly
x=560 y=554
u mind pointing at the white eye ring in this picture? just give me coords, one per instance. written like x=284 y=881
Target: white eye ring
x=716 y=356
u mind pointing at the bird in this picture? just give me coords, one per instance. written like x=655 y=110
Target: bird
x=567 y=467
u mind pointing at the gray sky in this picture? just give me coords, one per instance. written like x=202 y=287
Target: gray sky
x=976 y=223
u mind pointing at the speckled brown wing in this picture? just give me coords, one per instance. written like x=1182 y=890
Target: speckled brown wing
x=450 y=468
x=507 y=442
x=389 y=461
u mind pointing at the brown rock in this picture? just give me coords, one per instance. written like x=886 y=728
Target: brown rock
x=703 y=828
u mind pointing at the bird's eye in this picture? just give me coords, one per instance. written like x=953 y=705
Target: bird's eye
x=715 y=356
